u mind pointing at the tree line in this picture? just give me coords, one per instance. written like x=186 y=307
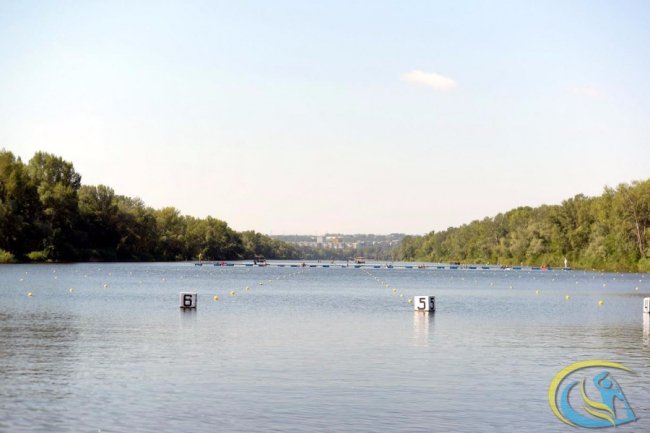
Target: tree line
x=608 y=232
x=46 y=214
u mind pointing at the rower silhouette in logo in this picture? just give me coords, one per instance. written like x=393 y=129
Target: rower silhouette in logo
x=592 y=413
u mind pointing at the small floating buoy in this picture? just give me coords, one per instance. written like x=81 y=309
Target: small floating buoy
x=261 y=284
x=215 y=298
x=70 y=290
x=248 y=288
x=537 y=292
x=394 y=290
x=105 y=285
x=601 y=302
x=232 y=293
x=29 y=294
x=410 y=301
x=401 y=295
x=567 y=297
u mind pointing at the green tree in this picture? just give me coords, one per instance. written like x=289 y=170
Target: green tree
x=632 y=205
x=57 y=185
x=212 y=239
x=99 y=215
x=19 y=207
x=172 y=231
x=136 y=228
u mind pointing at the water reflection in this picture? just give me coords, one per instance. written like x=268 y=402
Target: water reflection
x=188 y=317
x=646 y=329
x=422 y=325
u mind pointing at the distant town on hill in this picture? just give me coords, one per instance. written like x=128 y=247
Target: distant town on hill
x=344 y=246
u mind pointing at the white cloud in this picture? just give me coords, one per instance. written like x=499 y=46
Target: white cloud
x=588 y=92
x=430 y=79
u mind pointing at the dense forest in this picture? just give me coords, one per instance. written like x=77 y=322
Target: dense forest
x=609 y=232
x=46 y=214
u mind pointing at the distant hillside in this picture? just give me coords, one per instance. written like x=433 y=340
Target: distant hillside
x=344 y=246
x=609 y=232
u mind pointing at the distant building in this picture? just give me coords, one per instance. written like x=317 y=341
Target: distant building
x=342 y=241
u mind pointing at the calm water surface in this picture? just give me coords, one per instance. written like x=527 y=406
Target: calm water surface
x=331 y=350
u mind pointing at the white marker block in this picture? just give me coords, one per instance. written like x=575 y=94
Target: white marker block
x=424 y=303
x=646 y=305
x=188 y=299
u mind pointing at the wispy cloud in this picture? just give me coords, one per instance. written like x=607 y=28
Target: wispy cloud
x=429 y=79
x=588 y=92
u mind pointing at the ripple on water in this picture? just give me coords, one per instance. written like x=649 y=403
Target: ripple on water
x=315 y=350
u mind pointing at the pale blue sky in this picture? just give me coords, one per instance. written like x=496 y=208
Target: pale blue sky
x=303 y=117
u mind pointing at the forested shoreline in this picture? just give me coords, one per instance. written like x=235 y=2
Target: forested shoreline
x=608 y=232
x=46 y=214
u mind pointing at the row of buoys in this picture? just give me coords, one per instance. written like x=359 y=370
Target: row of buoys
x=247 y=289
x=30 y=294
x=385 y=284
x=410 y=300
x=422 y=303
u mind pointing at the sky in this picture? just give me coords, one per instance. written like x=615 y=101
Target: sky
x=295 y=117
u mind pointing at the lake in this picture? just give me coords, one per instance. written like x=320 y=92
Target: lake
x=106 y=348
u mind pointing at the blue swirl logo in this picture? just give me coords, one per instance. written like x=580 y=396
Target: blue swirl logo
x=613 y=408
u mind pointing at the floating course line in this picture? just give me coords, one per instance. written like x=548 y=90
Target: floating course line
x=382 y=266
